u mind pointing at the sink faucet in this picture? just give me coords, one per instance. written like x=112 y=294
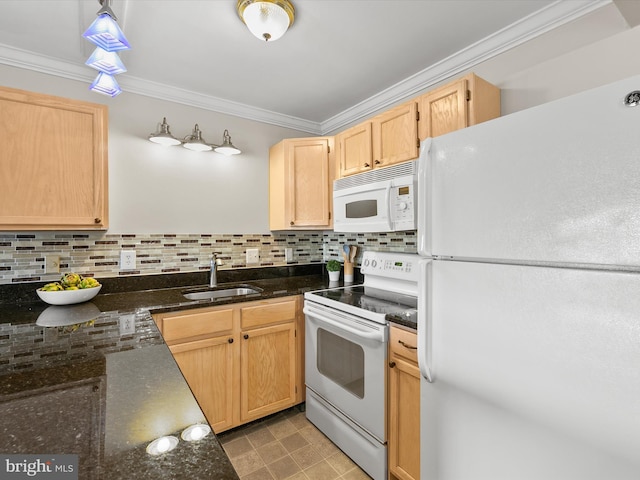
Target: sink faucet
x=213 y=273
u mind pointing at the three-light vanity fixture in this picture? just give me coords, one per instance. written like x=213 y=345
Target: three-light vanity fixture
x=194 y=141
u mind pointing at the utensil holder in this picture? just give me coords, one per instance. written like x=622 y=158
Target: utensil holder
x=348 y=272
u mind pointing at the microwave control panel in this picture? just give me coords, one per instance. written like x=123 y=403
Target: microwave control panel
x=402 y=207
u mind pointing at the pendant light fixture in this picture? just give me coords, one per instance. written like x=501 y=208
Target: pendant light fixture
x=105 y=33
x=268 y=20
x=194 y=141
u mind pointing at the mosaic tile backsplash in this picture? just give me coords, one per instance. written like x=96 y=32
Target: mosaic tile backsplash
x=22 y=255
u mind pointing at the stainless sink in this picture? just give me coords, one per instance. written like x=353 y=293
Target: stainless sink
x=214 y=294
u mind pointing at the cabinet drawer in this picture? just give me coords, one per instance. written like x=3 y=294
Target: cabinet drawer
x=196 y=324
x=268 y=313
x=404 y=343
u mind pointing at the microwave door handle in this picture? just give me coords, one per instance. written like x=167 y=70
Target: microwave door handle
x=387 y=199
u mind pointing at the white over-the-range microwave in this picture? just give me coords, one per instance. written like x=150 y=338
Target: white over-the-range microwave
x=380 y=200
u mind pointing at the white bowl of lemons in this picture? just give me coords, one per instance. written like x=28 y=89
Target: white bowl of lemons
x=72 y=288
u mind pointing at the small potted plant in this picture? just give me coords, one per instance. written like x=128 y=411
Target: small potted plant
x=333 y=267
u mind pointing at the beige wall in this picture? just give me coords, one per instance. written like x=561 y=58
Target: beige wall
x=153 y=189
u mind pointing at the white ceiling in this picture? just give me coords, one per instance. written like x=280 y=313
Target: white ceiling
x=340 y=60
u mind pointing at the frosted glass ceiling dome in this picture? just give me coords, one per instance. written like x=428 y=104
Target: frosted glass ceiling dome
x=267 y=20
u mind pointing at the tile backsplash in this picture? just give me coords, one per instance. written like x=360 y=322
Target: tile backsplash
x=22 y=255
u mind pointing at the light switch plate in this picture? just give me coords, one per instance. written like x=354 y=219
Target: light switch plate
x=127 y=259
x=253 y=255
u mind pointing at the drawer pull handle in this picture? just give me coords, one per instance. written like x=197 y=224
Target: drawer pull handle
x=245 y=336
x=367 y=165
x=407 y=346
x=392 y=364
x=230 y=340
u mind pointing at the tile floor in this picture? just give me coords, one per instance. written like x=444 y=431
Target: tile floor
x=287 y=445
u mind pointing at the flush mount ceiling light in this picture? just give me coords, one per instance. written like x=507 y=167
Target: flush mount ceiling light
x=268 y=20
x=194 y=141
x=105 y=33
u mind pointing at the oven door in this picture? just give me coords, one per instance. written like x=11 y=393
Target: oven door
x=345 y=364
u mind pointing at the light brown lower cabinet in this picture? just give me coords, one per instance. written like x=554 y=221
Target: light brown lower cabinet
x=242 y=361
x=404 y=405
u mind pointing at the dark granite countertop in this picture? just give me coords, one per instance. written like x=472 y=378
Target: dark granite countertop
x=102 y=392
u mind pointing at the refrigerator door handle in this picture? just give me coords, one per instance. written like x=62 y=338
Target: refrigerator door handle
x=425 y=195
x=425 y=343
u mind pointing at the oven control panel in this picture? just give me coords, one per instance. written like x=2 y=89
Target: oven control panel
x=401 y=266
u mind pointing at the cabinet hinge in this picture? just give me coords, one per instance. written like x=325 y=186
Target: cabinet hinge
x=328 y=148
x=417 y=115
x=329 y=215
x=295 y=333
x=296 y=389
x=468 y=95
x=418 y=140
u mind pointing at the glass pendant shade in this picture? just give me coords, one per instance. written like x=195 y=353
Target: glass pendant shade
x=227 y=148
x=107 y=62
x=195 y=141
x=164 y=137
x=267 y=20
x=105 y=84
x=106 y=34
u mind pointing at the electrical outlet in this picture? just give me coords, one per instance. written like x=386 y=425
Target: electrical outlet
x=288 y=254
x=127 y=324
x=253 y=255
x=127 y=259
x=52 y=264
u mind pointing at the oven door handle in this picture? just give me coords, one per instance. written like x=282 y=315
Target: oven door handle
x=320 y=318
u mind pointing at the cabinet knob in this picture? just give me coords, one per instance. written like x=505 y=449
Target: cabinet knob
x=392 y=364
x=377 y=162
x=291 y=222
x=230 y=340
x=245 y=336
x=97 y=220
x=367 y=165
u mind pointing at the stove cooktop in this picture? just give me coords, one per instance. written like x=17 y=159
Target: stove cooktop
x=372 y=303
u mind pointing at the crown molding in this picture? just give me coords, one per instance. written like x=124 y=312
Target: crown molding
x=542 y=21
x=28 y=60
x=553 y=16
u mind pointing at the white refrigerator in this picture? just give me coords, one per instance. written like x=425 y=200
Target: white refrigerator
x=529 y=303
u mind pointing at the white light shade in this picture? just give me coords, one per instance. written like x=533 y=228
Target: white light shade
x=267 y=20
x=106 y=34
x=106 y=85
x=164 y=137
x=162 y=445
x=195 y=141
x=107 y=62
x=195 y=432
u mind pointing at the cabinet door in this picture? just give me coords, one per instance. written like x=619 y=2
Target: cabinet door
x=354 y=149
x=395 y=135
x=404 y=405
x=268 y=370
x=444 y=110
x=208 y=367
x=53 y=163
x=308 y=182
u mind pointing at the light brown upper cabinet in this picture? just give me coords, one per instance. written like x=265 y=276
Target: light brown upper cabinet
x=388 y=138
x=53 y=163
x=300 y=184
x=464 y=102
